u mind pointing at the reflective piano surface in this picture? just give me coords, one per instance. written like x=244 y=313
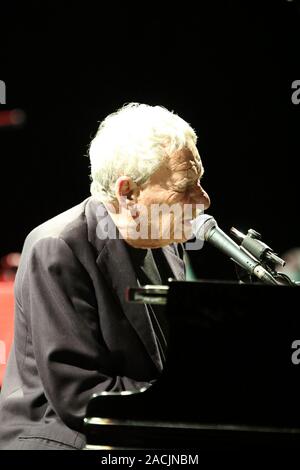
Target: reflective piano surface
x=229 y=379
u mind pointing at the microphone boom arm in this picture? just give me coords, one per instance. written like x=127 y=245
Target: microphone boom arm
x=252 y=255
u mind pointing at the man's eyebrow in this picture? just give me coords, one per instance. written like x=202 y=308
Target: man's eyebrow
x=200 y=172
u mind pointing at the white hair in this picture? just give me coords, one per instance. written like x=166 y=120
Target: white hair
x=134 y=141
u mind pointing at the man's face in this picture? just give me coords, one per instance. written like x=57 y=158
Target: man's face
x=161 y=211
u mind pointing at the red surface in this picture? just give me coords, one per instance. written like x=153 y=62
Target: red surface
x=6 y=322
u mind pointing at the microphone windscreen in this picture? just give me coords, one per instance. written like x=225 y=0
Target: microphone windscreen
x=202 y=225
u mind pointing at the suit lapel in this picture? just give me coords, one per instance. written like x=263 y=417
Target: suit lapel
x=114 y=262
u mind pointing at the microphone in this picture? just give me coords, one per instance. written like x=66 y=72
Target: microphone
x=206 y=228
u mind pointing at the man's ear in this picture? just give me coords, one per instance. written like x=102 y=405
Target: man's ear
x=125 y=188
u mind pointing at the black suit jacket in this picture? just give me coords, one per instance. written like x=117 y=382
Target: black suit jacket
x=75 y=334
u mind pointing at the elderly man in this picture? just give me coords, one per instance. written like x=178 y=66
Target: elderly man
x=75 y=334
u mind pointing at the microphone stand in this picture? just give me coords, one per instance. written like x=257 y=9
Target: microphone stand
x=252 y=244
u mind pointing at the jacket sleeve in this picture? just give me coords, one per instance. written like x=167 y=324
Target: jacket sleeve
x=71 y=356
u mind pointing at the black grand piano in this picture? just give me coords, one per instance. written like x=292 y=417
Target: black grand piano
x=232 y=378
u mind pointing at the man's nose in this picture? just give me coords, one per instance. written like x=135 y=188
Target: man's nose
x=202 y=197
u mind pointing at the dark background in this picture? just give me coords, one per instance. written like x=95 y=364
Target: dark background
x=224 y=66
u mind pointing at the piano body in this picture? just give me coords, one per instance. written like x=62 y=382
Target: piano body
x=229 y=380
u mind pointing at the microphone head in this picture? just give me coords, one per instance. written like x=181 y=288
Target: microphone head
x=202 y=226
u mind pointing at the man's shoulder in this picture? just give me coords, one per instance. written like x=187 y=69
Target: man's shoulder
x=68 y=232
x=64 y=225
x=75 y=229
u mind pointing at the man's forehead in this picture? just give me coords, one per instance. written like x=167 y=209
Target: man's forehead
x=184 y=159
